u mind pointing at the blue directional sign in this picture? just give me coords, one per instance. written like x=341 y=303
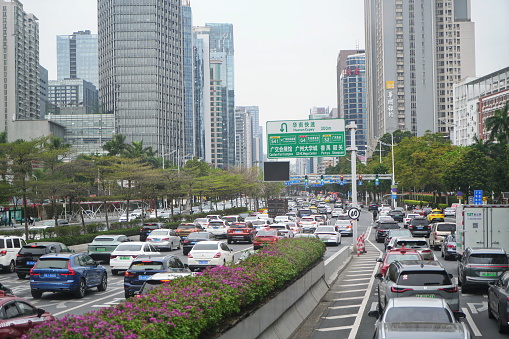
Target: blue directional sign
x=477 y=197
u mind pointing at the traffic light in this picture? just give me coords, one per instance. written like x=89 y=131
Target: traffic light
x=341 y=178
x=306 y=180
x=360 y=179
x=321 y=179
x=377 y=180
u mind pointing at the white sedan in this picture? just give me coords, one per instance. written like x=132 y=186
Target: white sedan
x=209 y=253
x=164 y=239
x=328 y=234
x=218 y=228
x=283 y=229
x=122 y=257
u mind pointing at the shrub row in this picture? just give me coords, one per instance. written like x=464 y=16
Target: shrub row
x=194 y=307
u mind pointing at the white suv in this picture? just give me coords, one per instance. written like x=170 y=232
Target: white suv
x=9 y=247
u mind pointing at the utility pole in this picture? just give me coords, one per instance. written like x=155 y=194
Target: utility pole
x=353 y=148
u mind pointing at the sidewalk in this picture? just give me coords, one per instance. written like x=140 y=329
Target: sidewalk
x=84 y=247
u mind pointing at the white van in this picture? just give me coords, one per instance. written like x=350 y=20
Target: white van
x=9 y=248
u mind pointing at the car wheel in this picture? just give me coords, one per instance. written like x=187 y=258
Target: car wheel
x=104 y=283
x=21 y=275
x=82 y=288
x=11 y=268
x=36 y=294
x=502 y=327
x=114 y=272
x=490 y=313
x=126 y=294
x=178 y=248
x=170 y=248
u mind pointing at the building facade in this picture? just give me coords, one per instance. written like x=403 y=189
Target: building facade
x=243 y=137
x=77 y=57
x=20 y=61
x=141 y=72
x=340 y=67
x=187 y=48
x=74 y=93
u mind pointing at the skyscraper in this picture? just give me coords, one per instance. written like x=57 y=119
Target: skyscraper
x=415 y=52
x=243 y=137
x=20 y=61
x=141 y=72
x=77 y=57
x=187 y=47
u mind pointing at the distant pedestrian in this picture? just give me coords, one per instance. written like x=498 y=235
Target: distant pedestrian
x=375 y=215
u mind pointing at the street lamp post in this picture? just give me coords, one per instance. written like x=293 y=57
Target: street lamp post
x=393 y=174
x=353 y=148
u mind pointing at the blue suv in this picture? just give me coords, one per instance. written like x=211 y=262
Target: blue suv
x=144 y=266
x=67 y=272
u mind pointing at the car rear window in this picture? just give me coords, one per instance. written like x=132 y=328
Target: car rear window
x=400 y=257
x=33 y=250
x=52 y=263
x=160 y=232
x=491 y=259
x=419 y=278
x=150 y=227
x=412 y=243
x=198 y=235
x=389 y=226
x=325 y=229
x=418 y=222
x=128 y=247
x=146 y=265
x=104 y=239
x=272 y=233
x=185 y=226
x=230 y=218
x=205 y=247
x=420 y=314
x=216 y=223
x=446 y=227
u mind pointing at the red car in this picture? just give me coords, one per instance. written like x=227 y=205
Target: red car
x=266 y=236
x=19 y=316
x=398 y=254
x=241 y=231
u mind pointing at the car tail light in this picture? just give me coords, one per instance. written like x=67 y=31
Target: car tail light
x=2 y=253
x=450 y=246
x=113 y=256
x=435 y=236
x=149 y=239
x=69 y=269
x=186 y=241
x=426 y=251
x=410 y=226
x=218 y=255
x=129 y=274
x=189 y=255
x=400 y=289
x=31 y=272
x=449 y=289
x=429 y=227
x=166 y=238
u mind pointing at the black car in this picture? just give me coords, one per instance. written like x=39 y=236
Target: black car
x=29 y=254
x=383 y=228
x=373 y=207
x=193 y=238
x=397 y=215
x=498 y=302
x=149 y=227
x=419 y=226
x=144 y=266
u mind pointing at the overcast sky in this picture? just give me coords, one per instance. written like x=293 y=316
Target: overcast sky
x=286 y=50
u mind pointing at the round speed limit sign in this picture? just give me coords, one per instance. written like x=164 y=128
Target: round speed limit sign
x=354 y=213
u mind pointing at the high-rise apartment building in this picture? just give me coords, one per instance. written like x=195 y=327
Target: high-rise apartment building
x=187 y=48
x=77 y=57
x=222 y=94
x=415 y=52
x=20 y=61
x=243 y=137
x=340 y=67
x=141 y=72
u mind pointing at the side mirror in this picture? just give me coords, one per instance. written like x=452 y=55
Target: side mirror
x=96 y=263
x=379 y=260
x=40 y=312
x=450 y=275
x=379 y=276
x=459 y=315
x=186 y=266
x=373 y=314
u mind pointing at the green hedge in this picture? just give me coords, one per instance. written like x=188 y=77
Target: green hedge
x=195 y=307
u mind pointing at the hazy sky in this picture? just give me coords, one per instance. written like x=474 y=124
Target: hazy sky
x=286 y=50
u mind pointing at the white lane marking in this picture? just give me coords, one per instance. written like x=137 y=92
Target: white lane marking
x=374 y=306
x=90 y=302
x=349 y=298
x=475 y=310
x=344 y=306
x=349 y=285
x=355 y=327
x=471 y=323
x=328 y=329
x=350 y=291
x=356 y=279
x=358 y=274
x=110 y=303
x=340 y=316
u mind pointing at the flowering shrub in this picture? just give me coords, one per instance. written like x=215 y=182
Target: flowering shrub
x=192 y=306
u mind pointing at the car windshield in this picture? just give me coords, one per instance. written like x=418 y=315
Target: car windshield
x=230 y=218
x=201 y=220
x=150 y=227
x=52 y=263
x=128 y=247
x=205 y=247
x=181 y=226
x=396 y=233
x=160 y=232
x=272 y=233
x=389 y=226
x=146 y=265
x=412 y=243
x=342 y=223
x=491 y=259
x=198 y=235
x=103 y=239
x=400 y=257
x=216 y=223
x=419 y=278
x=34 y=250
x=324 y=229
x=418 y=314
x=446 y=227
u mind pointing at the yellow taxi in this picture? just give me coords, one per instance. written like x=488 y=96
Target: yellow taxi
x=436 y=215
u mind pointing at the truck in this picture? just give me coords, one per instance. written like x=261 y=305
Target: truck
x=277 y=207
x=482 y=226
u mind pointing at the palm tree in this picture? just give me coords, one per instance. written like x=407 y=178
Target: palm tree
x=116 y=145
x=498 y=125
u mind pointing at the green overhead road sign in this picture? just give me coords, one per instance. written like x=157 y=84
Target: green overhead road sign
x=306 y=138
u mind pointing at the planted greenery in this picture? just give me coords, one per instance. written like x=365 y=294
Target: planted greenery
x=191 y=307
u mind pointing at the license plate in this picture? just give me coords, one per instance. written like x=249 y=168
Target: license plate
x=125 y=258
x=215 y=228
x=156 y=239
x=419 y=228
x=31 y=262
x=143 y=277
x=489 y=274
x=425 y=295
x=203 y=262
x=238 y=231
x=50 y=275
x=100 y=249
